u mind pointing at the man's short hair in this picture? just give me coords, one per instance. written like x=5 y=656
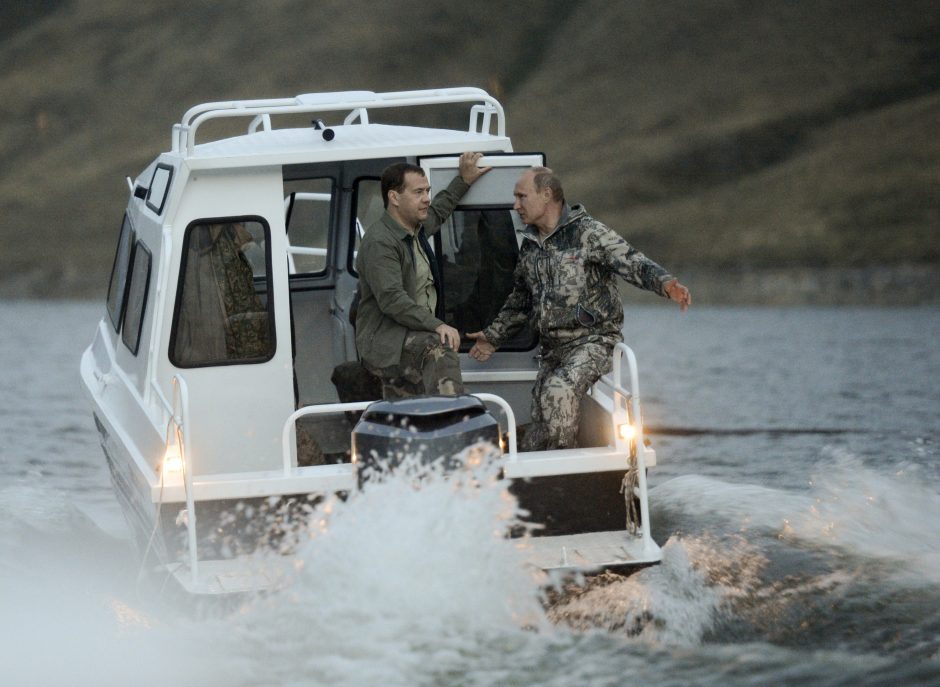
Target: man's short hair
x=393 y=178
x=543 y=178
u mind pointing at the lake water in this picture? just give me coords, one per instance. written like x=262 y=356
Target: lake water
x=797 y=498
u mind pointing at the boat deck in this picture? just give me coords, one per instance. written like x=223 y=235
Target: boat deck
x=585 y=553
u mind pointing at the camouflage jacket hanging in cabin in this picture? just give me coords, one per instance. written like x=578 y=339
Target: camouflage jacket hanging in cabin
x=246 y=322
x=221 y=317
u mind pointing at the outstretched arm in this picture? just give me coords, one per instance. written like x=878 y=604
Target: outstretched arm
x=638 y=269
x=678 y=293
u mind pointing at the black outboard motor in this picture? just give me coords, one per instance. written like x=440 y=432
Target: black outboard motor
x=435 y=428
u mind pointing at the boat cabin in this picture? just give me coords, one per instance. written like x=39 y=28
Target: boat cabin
x=217 y=371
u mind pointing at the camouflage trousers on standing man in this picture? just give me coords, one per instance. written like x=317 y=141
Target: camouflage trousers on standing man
x=566 y=372
x=427 y=368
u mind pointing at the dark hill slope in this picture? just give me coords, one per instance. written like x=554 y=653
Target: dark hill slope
x=712 y=134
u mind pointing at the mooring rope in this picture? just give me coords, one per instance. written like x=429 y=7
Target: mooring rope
x=628 y=487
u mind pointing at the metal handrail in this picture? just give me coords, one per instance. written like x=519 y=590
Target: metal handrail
x=510 y=421
x=320 y=409
x=357 y=102
x=179 y=419
x=325 y=408
x=621 y=350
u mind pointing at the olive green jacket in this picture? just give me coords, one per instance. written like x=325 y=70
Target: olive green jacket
x=387 y=287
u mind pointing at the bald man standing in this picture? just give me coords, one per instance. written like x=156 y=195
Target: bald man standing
x=565 y=287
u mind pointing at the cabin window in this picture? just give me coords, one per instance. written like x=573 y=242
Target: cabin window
x=478 y=252
x=369 y=209
x=136 y=297
x=159 y=187
x=308 y=206
x=117 y=288
x=224 y=310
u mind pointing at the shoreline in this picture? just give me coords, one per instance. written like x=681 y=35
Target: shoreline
x=881 y=285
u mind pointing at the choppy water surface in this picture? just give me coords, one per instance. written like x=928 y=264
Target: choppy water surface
x=797 y=498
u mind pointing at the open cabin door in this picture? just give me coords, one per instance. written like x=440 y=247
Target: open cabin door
x=477 y=250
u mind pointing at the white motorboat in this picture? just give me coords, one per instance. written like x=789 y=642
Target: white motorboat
x=210 y=373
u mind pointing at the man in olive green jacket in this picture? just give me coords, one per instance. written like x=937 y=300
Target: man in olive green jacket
x=400 y=332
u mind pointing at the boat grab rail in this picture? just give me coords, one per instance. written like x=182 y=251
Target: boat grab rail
x=631 y=395
x=614 y=381
x=320 y=409
x=177 y=430
x=357 y=406
x=638 y=442
x=183 y=139
x=510 y=422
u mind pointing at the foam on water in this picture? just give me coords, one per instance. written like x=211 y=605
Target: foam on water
x=674 y=604
x=396 y=586
x=891 y=516
x=69 y=613
x=392 y=581
x=389 y=585
x=709 y=502
x=850 y=506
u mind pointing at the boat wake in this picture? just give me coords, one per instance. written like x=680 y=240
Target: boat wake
x=401 y=585
x=676 y=603
x=761 y=564
x=392 y=576
x=850 y=509
x=69 y=608
x=888 y=518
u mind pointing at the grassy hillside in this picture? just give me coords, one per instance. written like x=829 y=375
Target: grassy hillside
x=720 y=137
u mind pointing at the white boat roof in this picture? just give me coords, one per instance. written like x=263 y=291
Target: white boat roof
x=351 y=142
x=355 y=138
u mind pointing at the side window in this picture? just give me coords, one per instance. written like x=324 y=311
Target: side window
x=368 y=209
x=308 y=207
x=117 y=288
x=159 y=187
x=479 y=251
x=136 y=297
x=224 y=311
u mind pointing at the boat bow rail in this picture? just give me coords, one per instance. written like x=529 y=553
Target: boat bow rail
x=355 y=103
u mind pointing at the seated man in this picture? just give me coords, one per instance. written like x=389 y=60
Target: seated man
x=400 y=332
x=565 y=287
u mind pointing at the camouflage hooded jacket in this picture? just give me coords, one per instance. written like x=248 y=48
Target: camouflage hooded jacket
x=565 y=285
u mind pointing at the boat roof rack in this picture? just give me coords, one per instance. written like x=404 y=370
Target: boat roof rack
x=357 y=103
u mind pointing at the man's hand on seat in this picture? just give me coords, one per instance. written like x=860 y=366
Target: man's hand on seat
x=482 y=349
x=450 y=337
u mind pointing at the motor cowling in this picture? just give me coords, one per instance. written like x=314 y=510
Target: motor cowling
x=431 y=428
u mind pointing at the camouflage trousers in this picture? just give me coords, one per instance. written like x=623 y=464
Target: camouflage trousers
x=427 y=368
x=565 y=374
